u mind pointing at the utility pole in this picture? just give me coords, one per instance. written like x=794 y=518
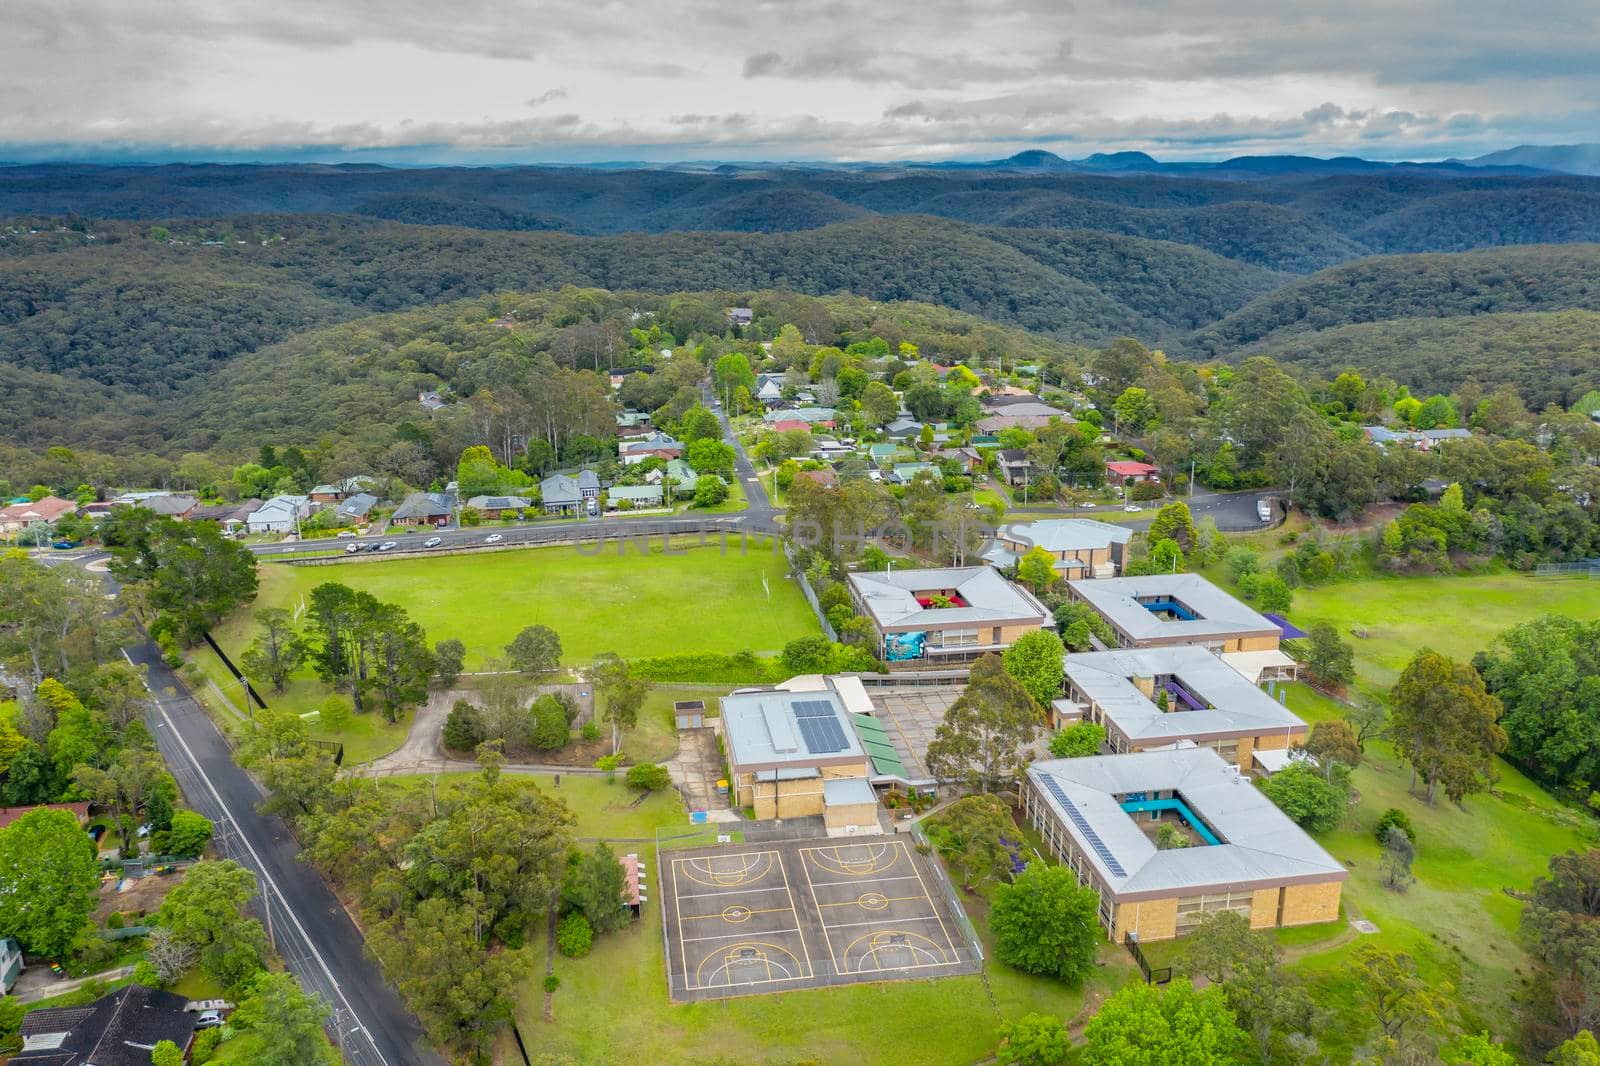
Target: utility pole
x=1191 y=477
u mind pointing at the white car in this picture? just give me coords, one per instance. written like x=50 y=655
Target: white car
x=345 y=533
x=387 y=546
x=350 y=548
x=433 y=542
x=208 y=1020
x=493 y=538
x=1133 y=508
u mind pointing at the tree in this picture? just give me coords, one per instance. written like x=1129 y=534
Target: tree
x=1174 y=522
x=710 y=490
x=1032 y=1040
x=1581 y=1050
x=278 y=650
x=593 y=887
x=547 y=726
x=574 y=936
x=1035 y=660
x=1561 y=919
x=448 y=658
x=51 y=878
x=188 y=571
x=170 y=956
x=971 y=835
x=1134 y=410
x=710 y=456
x=1045 y=923
x=1146 y=1025
x=697 y=424
x=648 y=777
x=982 y=740
x=289 y=1025
x=166 y=1053
x=1409 y=1010
x=1078 y=740
x=622 y=691
x=189 y=834
x=206 y=911
x=1268 y=1003
x=1331 y=742
x=535 y=650
x=1445 y=724
x=1037 y=569
x=1330 y=659
x=1546 y=674
x=1314 y=803
x=1398 y=854
x=879 y=403
x=11 y=1014
x=463 y=727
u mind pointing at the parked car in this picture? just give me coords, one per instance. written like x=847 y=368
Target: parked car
x=387 y=546
x=209 y=1019
x=1133 y=508
x=1264 y=509
x=493 y=538
x=374 y=547
x=350 y=548
x=345 y=533
x=65 y=545
x=433 y=542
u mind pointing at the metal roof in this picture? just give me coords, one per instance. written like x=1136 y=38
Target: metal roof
x=1259 y=842
x=1066 y=534
x=764 y=728
x=1217 y=614
x=1234 y=705
x=891 y=597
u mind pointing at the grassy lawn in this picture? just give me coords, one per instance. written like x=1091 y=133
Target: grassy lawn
x=1456 y=920
x=616 y=997
x=624 y=601
x=1456 y=615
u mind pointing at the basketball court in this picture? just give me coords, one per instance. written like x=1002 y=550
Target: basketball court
x=748 y=919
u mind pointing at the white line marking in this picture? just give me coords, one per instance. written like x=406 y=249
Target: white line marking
x=857 y=884
x=731 y=891
x=884 y=921
x=746 y=935
x=265 y=876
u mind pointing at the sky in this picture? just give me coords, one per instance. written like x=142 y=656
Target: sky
x=884 y=80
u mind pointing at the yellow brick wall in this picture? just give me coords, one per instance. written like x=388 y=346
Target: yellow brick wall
x=799 y=797
x=853 y=770
x=1309 y=904
x=1152 y=919
x=1264 y=908
x=1253 y=644
x=841 y=815
x=1008 y=634
x=1247 y=747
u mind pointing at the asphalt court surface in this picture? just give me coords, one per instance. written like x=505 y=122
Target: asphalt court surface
x=753 y=918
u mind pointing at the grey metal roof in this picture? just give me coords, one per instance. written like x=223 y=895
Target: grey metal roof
x=1220 y=615
x=846 y=791
x=891 y=597
x=499 y=503
x=1259 y=842
x=1235 y=705
x=423 y=505
x=1066 y=534
x=762 y=729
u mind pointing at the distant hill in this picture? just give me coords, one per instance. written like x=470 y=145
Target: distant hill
x=1547 y=356
x=1568 y=158
x=1531 y=278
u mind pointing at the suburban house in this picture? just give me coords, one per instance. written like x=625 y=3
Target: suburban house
x=784 y=425
x=635 y=495
x=1013 y=465
x=906 y=473
x=655 y=446
x=633 y=422
x=1161 y=610
x=1424 y=440
x=171 y=505
x=883 y=452
x=1025 y=415
x=430 y=401
x=230 y=516
x=829 y=450
x=335 y=491
x=946 y=614
x=11 y=964
x=422 y=509
x=740 y=316
x=570 y=493
x=357 y=508
x=1100 y=816
x=826 y=478
x=500 y=506
x=683 y=477
x=46 y=509
x=279 y=515
x=8 y=815
x=1156 y=697
x=1081 y=547
x=811 y=416
x=902 y=428
x=118 y=1029
x=796 y=754
x=769 y=389
x=1127 y=472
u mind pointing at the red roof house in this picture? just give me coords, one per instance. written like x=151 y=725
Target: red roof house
x=1128 y=472
x=20 y=516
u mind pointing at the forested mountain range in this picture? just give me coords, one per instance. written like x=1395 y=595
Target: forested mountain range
x=163 y=277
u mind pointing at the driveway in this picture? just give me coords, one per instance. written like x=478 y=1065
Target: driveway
x=696 y=769
x=422 y=752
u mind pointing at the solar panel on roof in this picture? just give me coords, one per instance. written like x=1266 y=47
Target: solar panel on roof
x=813 y=709
x=1089 y=835
x=822 y=735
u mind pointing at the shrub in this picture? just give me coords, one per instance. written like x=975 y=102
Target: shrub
x=709 y=668
x=547 y=724
x=1394 y=818
x=574 y=937
x=648 y=777
x=463 y=727
x=1078 y=740
x=1146 y=490
x=145 y=974
x=551 y=982
x=115 y=920
x=591 y=731
x=205 y=1045
x=1315 y=804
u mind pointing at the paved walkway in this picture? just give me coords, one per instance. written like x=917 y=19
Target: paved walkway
x=37 y=982
x=695 y=769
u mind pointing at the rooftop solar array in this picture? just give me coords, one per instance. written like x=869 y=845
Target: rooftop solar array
x=823 y=736
x=1084 y=827
x=813 y=709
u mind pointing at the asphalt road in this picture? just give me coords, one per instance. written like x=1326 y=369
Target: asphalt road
x=316 y=938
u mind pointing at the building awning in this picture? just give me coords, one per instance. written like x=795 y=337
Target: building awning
x=1290 y=630
x=847 y=792
x=1274 y=759
x=885 y=760
x=1252 y=664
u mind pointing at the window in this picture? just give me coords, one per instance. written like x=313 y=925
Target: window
x=1191 y=909
x=953 y=638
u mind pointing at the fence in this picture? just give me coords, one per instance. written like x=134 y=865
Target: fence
x=1583 y=568
x=1159 y=975
x=811 y=596
x=948 y=890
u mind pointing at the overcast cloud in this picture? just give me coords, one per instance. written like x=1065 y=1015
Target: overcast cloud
x=490 y=80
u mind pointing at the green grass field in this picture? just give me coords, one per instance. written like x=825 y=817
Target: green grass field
x=604 y=809
x=1457 y=615
x=699 y=599
x=1457 y=919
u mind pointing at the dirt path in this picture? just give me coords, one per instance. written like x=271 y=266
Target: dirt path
x=37 y=983
x=422 y=752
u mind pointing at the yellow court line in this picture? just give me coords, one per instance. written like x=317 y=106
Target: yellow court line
x=811 y=968
x=677 y=908
x=954 y=956
x=763 y=910
x=886 y=899
x=826 y=939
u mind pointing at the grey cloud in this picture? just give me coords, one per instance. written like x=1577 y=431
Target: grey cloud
x=546 y=96
x=761 y=64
